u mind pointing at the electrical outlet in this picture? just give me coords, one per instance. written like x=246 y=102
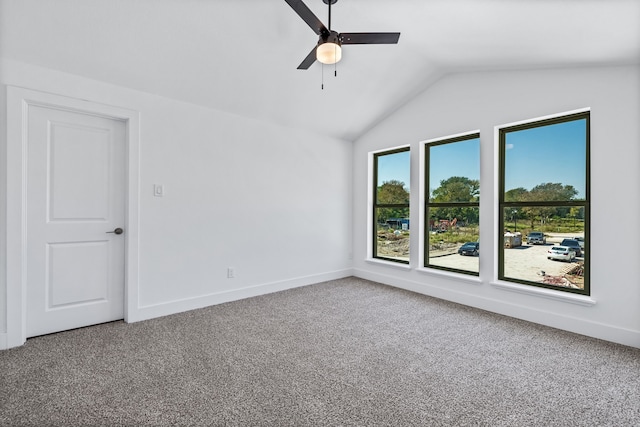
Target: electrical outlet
x=231 y=273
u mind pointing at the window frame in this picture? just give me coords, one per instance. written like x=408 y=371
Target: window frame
x=583 y=203
x=428 y=204
x=376 y=206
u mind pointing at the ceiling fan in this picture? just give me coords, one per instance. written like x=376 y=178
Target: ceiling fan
x=329 y=50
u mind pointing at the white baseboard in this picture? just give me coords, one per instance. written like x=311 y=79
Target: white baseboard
x=555 y=320
x=179 y=306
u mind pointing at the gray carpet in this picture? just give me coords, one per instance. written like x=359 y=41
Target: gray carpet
x=342 y=353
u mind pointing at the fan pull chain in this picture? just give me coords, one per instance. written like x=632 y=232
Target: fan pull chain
x=335 y=74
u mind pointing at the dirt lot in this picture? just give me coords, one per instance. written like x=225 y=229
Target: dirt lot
x=524 y=262
x=393 y=245
x=531 y=263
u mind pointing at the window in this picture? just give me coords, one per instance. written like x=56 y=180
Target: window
x=452 y=213
x=391 y=205
x=544 y=203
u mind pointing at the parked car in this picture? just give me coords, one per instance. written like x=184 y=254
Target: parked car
x=561 y=253
x=536 y=238
x=581 y=241
x=573 y=243
x=470 y=248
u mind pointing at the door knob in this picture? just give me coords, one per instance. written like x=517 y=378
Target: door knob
x=117 y=231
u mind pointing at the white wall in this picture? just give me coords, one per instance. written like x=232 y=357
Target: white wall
x=3 y=210
x=482 y=100
x=272 y=202
x=278 y=204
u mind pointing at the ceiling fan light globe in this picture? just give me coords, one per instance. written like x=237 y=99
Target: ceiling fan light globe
x=329 y=53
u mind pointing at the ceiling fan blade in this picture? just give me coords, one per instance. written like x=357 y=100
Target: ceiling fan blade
x=307 y=16
x=369 y=38
x=309 y=60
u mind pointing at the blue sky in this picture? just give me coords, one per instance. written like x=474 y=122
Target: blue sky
x=447 y=160
x=534 y=156
x=553 y=153
x=394 y=167
x=460 y=158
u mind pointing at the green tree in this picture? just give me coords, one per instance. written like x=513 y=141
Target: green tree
x=546 y=192
x=456 y=189
x=392 y=193
x=549 y=192
x=575 y=212
x=519 y=194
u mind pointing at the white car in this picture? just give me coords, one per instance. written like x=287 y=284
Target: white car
x=561 y=253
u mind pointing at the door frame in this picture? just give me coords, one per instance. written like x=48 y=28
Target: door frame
x=18 y=102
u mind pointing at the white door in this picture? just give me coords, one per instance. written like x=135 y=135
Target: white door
x=75 y=201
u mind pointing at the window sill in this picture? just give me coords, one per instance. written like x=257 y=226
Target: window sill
x=460 y=277
x=546 y=293
x=398 y=265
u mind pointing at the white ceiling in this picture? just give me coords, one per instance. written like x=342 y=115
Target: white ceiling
x=240 y=56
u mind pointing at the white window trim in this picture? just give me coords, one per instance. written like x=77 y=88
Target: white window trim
x=537 y=119
x=512 y=286
x=458 y=277
x=385 y=262
x=370 y=219
x=422 y=200
x=545 y=293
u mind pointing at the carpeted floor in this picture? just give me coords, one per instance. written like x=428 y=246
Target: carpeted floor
x=342 y=353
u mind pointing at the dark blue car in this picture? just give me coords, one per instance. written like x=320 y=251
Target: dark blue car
x=573 y=244
x=469 y=248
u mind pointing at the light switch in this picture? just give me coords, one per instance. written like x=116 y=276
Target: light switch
x=158 y=190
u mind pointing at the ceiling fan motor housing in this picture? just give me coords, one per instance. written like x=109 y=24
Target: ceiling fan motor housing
x=329 y=50
x=330 y=37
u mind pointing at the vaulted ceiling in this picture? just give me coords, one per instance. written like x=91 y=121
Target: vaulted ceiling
x=240 y=56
